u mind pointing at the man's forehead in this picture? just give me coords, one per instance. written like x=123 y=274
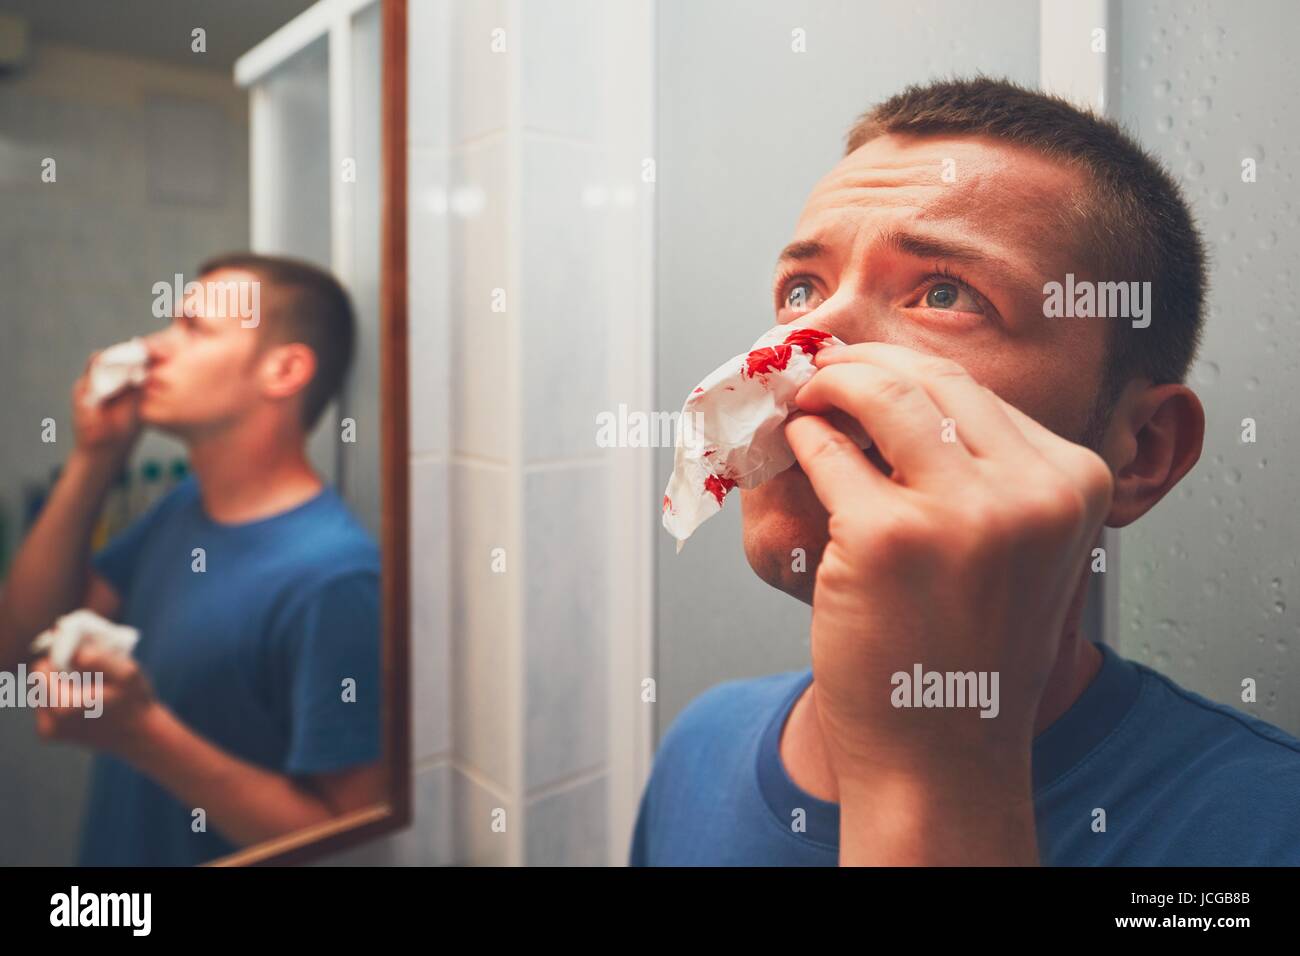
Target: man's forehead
x=217 y=294
x=985 y=186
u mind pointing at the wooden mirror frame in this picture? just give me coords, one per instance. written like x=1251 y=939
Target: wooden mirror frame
x=394 y=813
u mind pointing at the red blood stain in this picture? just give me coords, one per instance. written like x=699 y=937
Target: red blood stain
x=810 y=340
x=760 y=361
x=711 y=451
x=668 y=503
x=731 y=388
x=718 y=487
x=697 y=390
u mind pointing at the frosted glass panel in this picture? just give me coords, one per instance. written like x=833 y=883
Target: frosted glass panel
x=291 y=156
x=360 y=466
x=1209 y=578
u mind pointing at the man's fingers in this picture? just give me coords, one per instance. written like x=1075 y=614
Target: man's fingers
x=114 y=666
x=976 y=412
x=907 y=427
x=1061 y=452
x=837 y=469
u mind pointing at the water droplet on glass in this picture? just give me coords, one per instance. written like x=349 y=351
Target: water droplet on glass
x=1161 y=89
x=1201 y=105
x=1232 y=476
x=1219 y=199
x=1193 y=169
x=1207 y=373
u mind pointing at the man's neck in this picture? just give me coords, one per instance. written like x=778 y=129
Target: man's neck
x=803 y=750
x=249 y=472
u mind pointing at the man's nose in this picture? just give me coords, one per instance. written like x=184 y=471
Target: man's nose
x=844 y=315
x=155 y=344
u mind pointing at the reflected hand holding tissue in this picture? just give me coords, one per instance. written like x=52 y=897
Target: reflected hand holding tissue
x=731 y=431
x=84 y=626
x=116 y=368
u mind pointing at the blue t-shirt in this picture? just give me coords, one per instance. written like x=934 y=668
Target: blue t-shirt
x=251 y=654
x=1183 y=781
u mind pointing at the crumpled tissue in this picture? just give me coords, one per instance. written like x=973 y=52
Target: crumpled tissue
x=731 y=431
x=116 y=368
x=84 y=626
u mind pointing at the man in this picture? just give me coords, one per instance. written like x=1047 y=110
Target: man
x=962 y=544
x=250 y=707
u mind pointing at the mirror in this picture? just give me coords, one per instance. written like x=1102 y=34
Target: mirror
x=203 y=602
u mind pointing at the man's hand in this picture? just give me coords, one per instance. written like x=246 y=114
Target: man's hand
x=125 y=703
x=109 y=429
x=965 y=558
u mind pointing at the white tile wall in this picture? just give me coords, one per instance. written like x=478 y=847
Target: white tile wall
x=513 y=187
x=565 y=609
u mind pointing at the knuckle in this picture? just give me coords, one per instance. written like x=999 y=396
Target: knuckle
x=897 y=534
x=895 y=388
x=1098 y=481
x=1057 y=505
x=939 y=367
x=832 y=446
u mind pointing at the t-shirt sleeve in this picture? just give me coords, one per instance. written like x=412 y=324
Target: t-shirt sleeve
x=334 y=677
x=116 y=561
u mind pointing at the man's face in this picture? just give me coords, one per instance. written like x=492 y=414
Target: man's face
x=203 y=368
x=890 y=249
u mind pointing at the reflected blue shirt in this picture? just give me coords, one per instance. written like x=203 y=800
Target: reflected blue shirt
x=251 y=654
x=1183 y=781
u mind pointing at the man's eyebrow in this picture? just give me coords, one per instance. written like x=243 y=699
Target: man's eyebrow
x=929 y=247
x=802 y=249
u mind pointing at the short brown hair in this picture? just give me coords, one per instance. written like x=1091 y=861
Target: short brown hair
x=1134 y=217
x=306 y=304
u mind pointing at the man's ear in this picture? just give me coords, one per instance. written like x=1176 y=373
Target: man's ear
x=1153 y=440
x=287 y=369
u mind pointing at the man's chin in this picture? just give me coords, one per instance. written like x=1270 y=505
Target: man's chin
x=159 y=420
x=784 y=532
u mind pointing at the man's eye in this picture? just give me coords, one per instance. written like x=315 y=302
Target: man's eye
x=799 y=295
x=952 y=295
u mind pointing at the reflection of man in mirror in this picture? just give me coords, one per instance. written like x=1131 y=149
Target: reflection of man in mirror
x=250 y=706
x=955 y=712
